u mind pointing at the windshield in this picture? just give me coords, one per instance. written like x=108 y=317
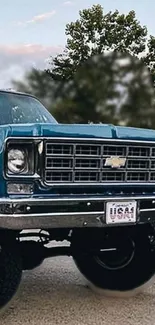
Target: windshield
x=20 y=109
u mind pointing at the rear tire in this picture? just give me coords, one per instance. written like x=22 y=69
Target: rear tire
x=110 y=274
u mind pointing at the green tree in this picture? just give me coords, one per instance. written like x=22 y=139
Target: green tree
x=38 y=83
x=137 y=105
x=90 y=93
x=96 y=33
x=112 y=88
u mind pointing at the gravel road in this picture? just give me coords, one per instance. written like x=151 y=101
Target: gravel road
x=55 y=294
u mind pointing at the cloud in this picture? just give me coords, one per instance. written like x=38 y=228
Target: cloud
x=15 y=60
x=38 y=18
x=28 y=49
x=68 y=3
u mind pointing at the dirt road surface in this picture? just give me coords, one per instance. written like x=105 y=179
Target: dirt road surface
x=56 y=294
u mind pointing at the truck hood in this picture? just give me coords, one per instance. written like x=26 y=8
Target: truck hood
x=104 y=131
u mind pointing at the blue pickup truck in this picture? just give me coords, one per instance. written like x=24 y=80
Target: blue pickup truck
x=91 y=185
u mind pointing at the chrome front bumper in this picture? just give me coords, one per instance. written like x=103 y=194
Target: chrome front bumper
x=18 y=214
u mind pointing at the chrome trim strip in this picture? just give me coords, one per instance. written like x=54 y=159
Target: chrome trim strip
x=21 y=176
x=50 y=214
x=63 y=214
x=50 y=185
x=81 y=139
x=147 y=210
x=48 y=201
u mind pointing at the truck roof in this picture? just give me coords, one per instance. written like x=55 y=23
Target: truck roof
x=13 y=91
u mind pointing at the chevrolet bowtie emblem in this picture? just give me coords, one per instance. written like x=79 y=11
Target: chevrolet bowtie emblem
x=115 y=162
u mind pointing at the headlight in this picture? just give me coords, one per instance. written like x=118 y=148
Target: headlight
x=17 y=161
x=20 y=158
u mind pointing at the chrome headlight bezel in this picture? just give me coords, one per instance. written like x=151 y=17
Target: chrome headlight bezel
x=25 y=151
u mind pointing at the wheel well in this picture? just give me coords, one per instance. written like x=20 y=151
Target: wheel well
x=34 y=247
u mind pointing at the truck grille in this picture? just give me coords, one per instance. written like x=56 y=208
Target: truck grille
x=84 y=162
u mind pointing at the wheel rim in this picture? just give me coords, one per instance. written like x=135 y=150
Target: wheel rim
x=117 y=257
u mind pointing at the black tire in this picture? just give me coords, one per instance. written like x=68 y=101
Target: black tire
x=136 y=271
x=10 y=274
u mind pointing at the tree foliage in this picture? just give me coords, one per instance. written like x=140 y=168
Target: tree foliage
x=115 y=87
x=80 y=93
x=95 y=33
x=38 y=83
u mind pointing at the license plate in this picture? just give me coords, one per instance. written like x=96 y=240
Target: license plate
x=121 y=212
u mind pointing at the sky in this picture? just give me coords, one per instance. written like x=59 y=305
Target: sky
x=32 y=30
